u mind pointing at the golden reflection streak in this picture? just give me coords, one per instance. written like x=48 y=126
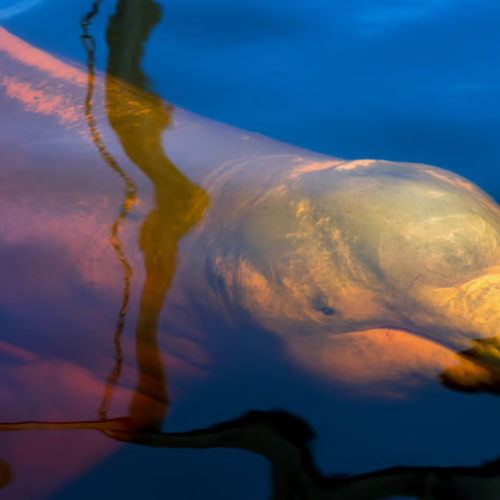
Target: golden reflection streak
x=25 y=53
x=138 y=119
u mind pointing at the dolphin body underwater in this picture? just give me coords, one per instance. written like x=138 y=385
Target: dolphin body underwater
x=306 y=246
x=318 y=252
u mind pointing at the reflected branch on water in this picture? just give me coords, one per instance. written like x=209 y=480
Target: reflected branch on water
x=285 y=439
x=5 y=474
x=130 y=198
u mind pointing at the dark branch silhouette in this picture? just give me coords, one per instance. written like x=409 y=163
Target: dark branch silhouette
x=130 y=198
x=284 y=440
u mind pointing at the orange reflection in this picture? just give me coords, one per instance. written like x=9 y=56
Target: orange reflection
x=23 y=52
x=179 y=204
x=41 y=101
x=49 y=390
x=41 y=83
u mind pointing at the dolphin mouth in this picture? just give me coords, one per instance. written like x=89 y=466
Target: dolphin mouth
x=391 y=361
x=467 y=322
x=380 y=362
x=424 y=335
x=474 y=370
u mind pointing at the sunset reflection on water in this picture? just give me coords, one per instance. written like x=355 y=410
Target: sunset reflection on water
x=125 y=274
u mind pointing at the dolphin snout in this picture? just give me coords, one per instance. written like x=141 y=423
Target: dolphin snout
x=478 y=369
x=472 y=311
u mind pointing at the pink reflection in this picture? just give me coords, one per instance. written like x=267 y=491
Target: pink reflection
x=31 y=56
x=55 y=390
x=42 y=101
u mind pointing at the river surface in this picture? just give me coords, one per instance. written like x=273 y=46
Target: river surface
x=96 y=233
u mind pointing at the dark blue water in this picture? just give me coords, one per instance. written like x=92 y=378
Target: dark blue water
x=414 y=81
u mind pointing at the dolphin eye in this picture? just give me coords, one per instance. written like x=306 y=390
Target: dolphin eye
x=327 y=311
x=319 y=304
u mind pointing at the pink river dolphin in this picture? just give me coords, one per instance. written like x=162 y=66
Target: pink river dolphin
x=367 y=271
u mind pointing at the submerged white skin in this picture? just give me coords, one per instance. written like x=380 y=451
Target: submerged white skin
x=308 y=245
x=333 y=248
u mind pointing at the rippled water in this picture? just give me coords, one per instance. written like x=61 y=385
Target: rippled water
x=261 y=320
x=11 y=8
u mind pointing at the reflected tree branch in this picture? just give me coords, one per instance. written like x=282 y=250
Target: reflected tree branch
x=284 y=440
x=130 y=198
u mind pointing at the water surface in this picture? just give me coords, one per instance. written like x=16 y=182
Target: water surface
x=94 y=319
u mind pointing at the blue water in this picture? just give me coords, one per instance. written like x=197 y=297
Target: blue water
x=405 y=80
x=402 y=80
x=11 y=8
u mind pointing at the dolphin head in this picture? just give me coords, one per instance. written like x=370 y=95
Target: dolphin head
x=362 y=246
